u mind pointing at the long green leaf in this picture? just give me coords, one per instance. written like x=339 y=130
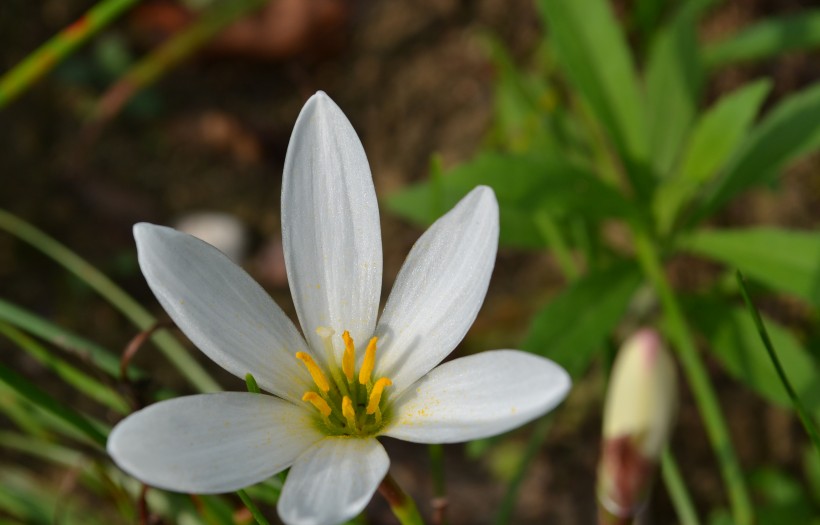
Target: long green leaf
x=594 y=55
x=789 y=131
x=766 y=39
x=72 y=376
x=735 y=342
x=571 y=327
x=787 y=261
x=715 y=137
x=173 y=350
x=674 y=78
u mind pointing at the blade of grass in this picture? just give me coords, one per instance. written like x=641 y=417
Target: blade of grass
x=45 y=401
x=251 y=506
x=60 y=46
x=40 y=449
x=58 y=336
x=173 y=350
x=539 y=434
x=169 y=54
x=802 y=413
x=72 y=376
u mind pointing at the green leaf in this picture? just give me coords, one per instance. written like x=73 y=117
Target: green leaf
x=735 y=342
x=720 y=130
x=674 y=77
x=787 y=261
x=716 y=135
x=524 y=185
x=766 y=39
x=574 y=325
x=594 y=55
x=789 y=131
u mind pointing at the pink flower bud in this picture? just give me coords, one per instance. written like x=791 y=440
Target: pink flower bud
x=638 y=416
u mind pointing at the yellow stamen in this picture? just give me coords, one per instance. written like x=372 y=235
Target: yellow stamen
x=314 y=370
x=369 y=361
x=348 y=412
x=376 y=395
x=314 y=399
x=349 y=358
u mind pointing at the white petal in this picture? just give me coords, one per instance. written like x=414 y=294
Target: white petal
x=439 y=290
x=478 y=396
x=222 y=309
x=212 y=443
x=330 y=225
x=333 y=481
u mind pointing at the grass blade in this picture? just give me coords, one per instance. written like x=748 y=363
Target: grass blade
x=43 y=400
x=72 y=376
x=805 y=418
x=58 y=336
x=173 y=350
x=54 y=51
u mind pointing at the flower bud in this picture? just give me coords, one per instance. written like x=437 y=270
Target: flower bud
x=638 y=415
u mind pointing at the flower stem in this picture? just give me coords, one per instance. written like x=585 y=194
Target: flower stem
x=439 y=487
x=402 y=505
x=58 y=47
x=698 y=380
x=539 y=435
x=677 y=490
x=251 y=506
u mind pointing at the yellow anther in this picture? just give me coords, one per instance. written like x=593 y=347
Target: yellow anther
x=369 y=361
x=348 y=412
x=314 y=370
x=349 y=358
x=376 y=395
x=316 y=400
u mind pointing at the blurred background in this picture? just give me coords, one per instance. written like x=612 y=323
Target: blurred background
x=197 y=138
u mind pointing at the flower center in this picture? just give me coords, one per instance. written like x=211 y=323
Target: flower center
x=349 y=404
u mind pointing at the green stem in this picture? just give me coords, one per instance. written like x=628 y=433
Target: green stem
x=439 y=486
x=173 y=350
x=251 y=506
x=60 y=46
x=677 y=490
x=402 y=505
x=698 y=380
x=172 y=52
x=802 y=413
x=539 y=434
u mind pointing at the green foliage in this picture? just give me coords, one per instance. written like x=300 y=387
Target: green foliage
x=766 y=39
x=601 y=133
x=735 y=342
x=787 y=261
x=571 y=327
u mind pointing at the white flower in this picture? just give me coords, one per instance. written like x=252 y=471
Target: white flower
x=331 y=398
